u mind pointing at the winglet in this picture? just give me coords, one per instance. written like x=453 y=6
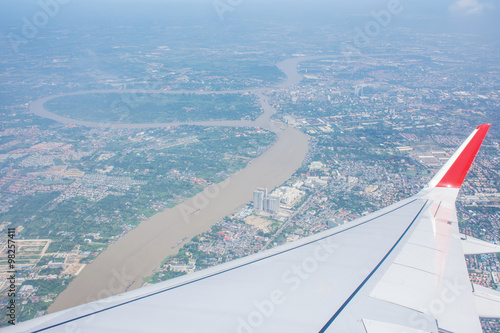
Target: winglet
x=453 y=173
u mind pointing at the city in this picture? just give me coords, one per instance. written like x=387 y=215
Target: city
x=380 y=121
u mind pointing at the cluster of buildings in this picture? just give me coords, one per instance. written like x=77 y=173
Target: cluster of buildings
x=262 y=202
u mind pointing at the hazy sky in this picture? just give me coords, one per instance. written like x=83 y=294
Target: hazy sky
x=460 y=15
x=272 y=8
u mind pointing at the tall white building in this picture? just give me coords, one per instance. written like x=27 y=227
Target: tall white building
x=259 y=197
x=273 y=204
x=263 y=202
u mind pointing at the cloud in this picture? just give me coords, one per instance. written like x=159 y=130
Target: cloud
x=470 y=7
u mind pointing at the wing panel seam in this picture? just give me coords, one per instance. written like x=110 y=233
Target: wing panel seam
x=415 y=268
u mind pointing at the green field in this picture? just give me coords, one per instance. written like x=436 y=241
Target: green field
x=154 y=108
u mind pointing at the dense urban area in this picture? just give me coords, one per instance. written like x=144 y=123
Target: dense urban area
x=381 y=120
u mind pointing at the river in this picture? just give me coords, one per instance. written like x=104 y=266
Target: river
x=124 y=264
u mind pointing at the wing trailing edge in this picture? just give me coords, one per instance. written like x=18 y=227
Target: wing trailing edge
x=474 y=246
x=487 y=302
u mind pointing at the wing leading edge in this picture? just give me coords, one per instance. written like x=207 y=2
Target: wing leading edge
x=400 y=269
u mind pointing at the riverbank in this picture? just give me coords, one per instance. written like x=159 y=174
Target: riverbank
x=124 y=264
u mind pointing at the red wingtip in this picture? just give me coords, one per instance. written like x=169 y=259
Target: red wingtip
x=455 y=175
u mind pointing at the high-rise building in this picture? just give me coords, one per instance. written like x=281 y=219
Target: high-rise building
x=273 y=204
x=259 y=197
x=263 y=202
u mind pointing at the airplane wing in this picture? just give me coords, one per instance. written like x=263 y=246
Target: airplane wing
x=400 y=269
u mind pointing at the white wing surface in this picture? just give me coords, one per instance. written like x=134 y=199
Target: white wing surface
x=400 y=269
